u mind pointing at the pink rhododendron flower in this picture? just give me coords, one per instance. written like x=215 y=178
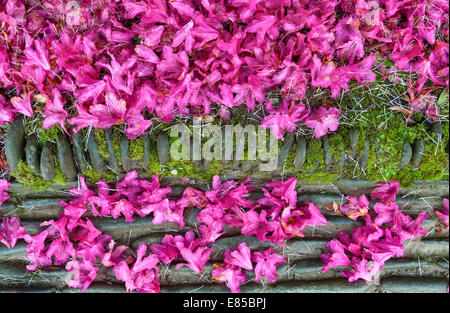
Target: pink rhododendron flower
x=323 y=121
x=143 y=274
x=294 y=221
x=54 y=112
x=443 y=214
x=192 y=197
x=6 y=111
x=230 y=194
x=355 y=207
x=359 y=270
x=256 y=224
x=84 y=272
x=284 y=118
x=266 y=264
x=196 y=258
x=240 y=257
x=166 y=251
x=386 y=212
x=23 y=104
x=385 y=191
x=11 y=231
x=337 y=257
x=4 y=185
x=284 y=190
x=35 y=250
x=232 y=276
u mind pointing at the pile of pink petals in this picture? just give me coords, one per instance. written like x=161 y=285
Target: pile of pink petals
x=108 y=62
x=73 y=240
x=381 y=238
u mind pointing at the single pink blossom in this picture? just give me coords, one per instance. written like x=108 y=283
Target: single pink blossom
x=143 y=274
x=23 y=104
x=359 y=270
x=232 y=276
x=255 y=224
x=266 y=264
x=355 y=207
x=11 y=231
x=337 y=257
x=54 y=112
x=443 y=214
x=386 y=191
x=196 y=258
x=4 y=185
x=240 y=257
x=323 y=120
x=84 y=273
x=285 y=117
x=166 y=251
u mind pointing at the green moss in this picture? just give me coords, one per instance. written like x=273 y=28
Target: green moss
x=116 y=145
x=94 y=177
x=336 y=146
x=25 y=176
x=44 y=135
x=137 y=149
x=102 y=144
x=59 y=178
x=289 y=163
x=314 y=153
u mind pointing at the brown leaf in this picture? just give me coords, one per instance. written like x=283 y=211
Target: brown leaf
x=405 y=111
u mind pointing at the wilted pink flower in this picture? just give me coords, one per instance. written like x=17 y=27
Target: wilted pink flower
x=359 y=270
x=166 y=251
x=355 y=207
x=87 y=233
x=232 y=276
x=266 y=264
x=168 y=211
x=285 y=117
x=23 y=104
x=410 y=228
x=4 y=185
x=337 y=257
x=240 y=257
x=284 y=190
x=262 y=25
x=143 y=275
x=38 y=56
x=256 y=224
x=196 y=258
x=192 y=197
x=323 y=120
x=60 y=249
x=35 y=250
x=294 y=221
x=6 y=111
x=84 y=272
x=349 y=40
x=443 y=214
x=124 y=207
x=91 y=251
x=54 y=112
x=386 y=191
x=10 y=231
x=230 y=194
